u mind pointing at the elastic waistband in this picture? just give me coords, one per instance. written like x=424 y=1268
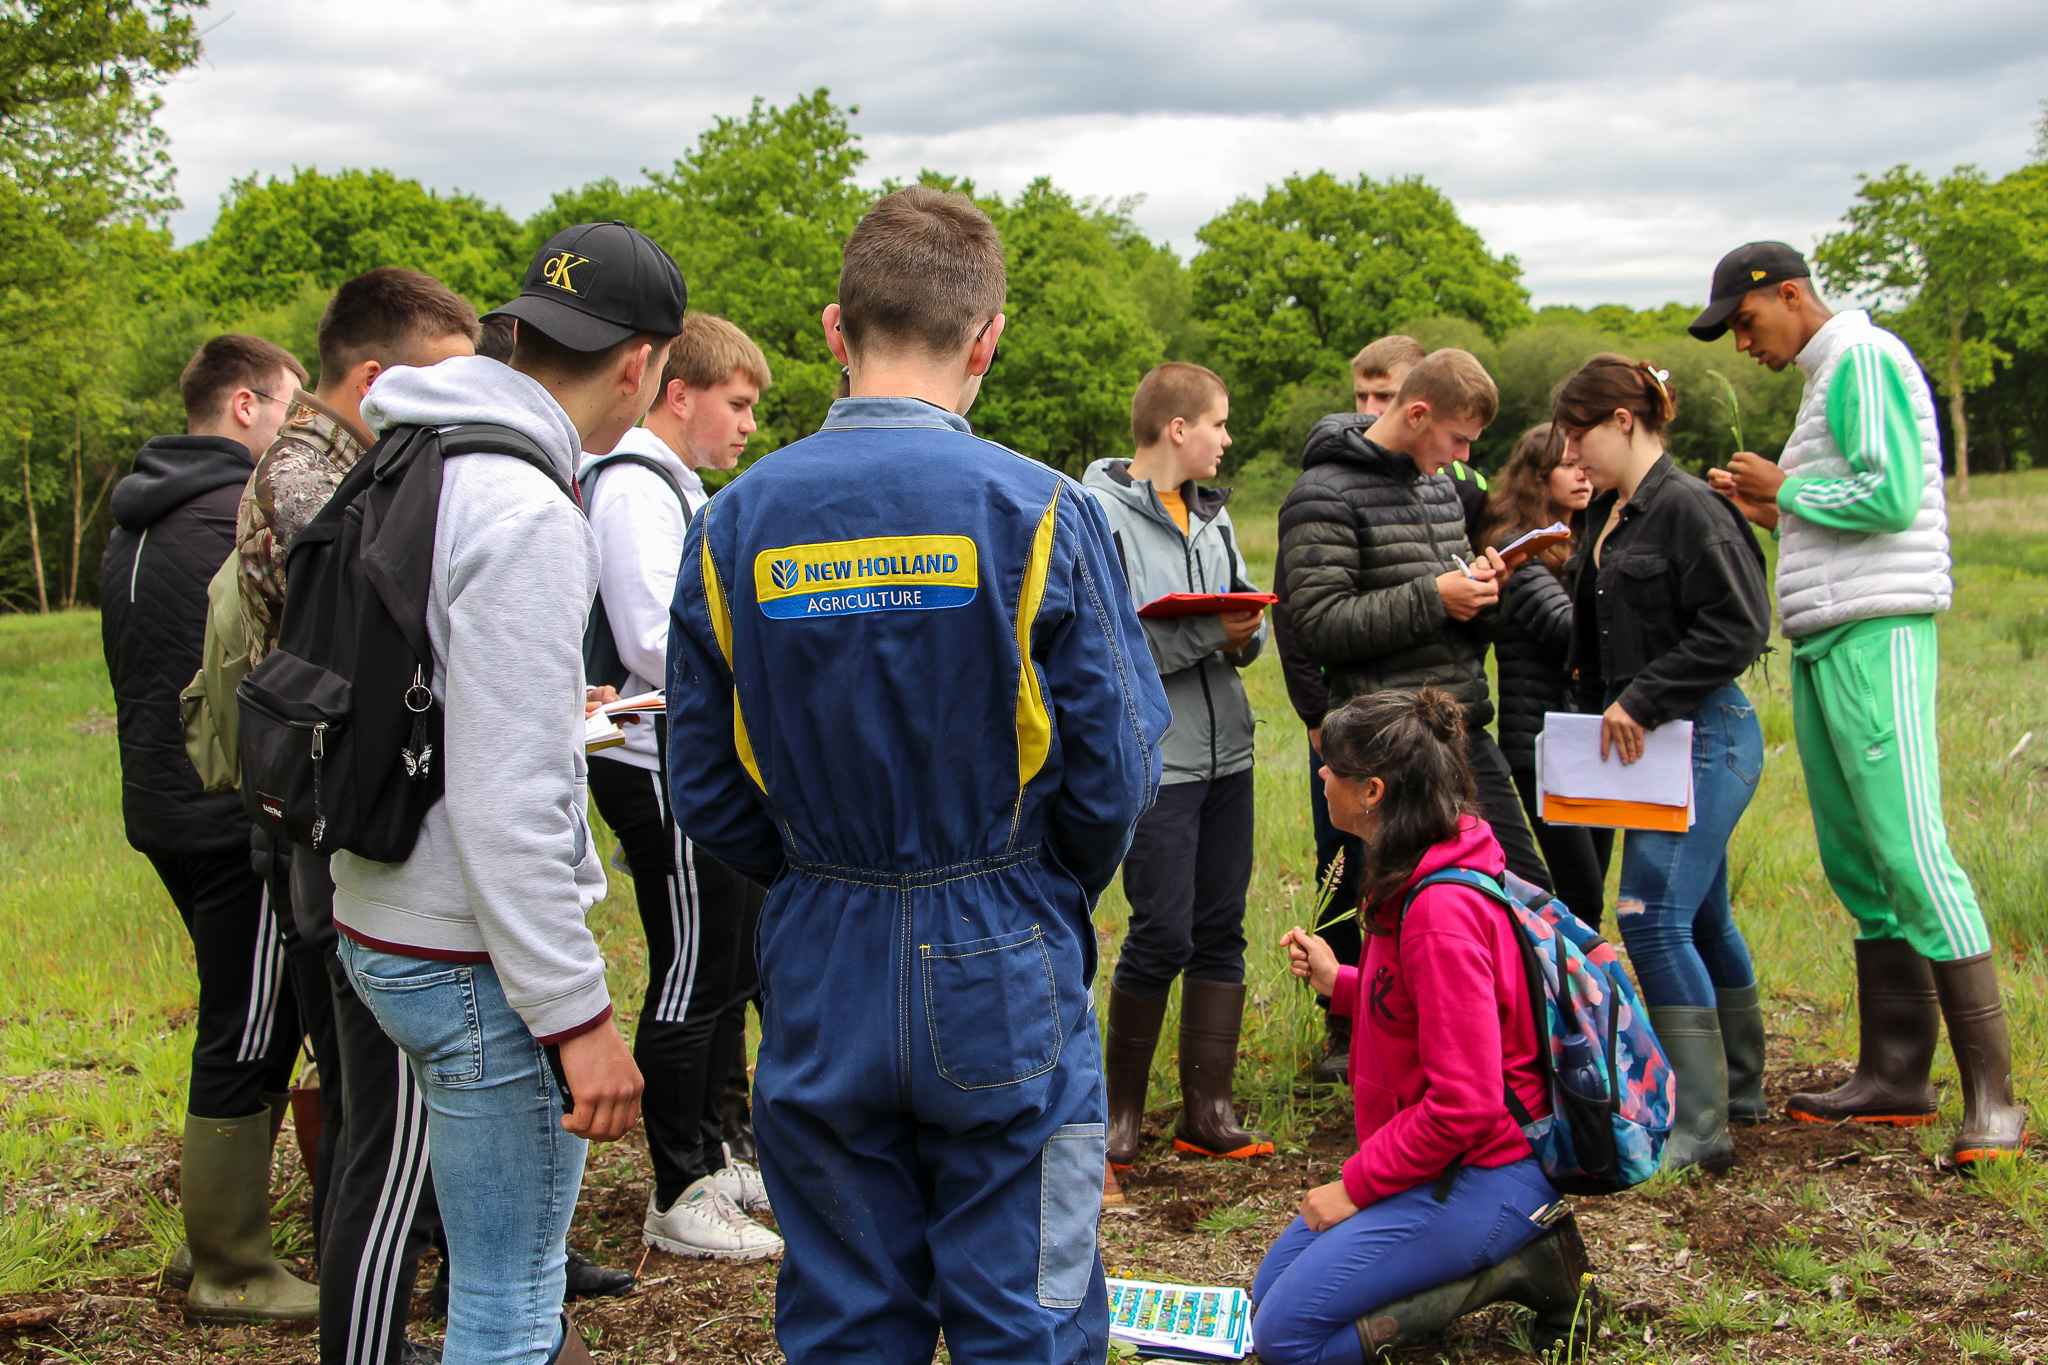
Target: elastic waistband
x=924 y=877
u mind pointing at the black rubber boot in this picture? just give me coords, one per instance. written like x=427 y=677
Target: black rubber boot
x=1552 y=1275
x=1699 y=1125
x=1994 y=1124
x=1898 y=1024
x=1742 y=1041
x=1334 y=1066
x=1129 y=1038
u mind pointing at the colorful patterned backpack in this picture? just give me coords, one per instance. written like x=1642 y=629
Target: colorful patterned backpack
x=1612 y=1090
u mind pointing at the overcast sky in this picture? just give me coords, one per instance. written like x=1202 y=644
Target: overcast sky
x=1617 y=147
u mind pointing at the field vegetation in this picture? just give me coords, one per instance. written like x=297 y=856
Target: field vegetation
x=1823 y=1244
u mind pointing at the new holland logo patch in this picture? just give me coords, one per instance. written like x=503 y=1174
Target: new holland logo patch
x=844 y=577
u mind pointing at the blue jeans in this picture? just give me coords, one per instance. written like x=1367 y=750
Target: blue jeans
x=1313 y=1286
x=505 y=1173
x=1673 y=907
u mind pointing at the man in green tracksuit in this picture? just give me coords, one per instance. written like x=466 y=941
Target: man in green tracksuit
x=1863 y=566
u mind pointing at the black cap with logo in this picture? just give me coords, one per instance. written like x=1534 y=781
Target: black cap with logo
x=1747 y=267
x=595 y=284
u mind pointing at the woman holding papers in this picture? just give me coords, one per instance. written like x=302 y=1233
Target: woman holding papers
x=1443 y=1209
x=1541 y=488
x=1669 y=610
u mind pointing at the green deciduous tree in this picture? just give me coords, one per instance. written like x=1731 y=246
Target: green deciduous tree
x=1950 y=262
x=1292 y=284
x=274 y=236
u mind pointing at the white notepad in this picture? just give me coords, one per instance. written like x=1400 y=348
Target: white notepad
x=1571 y=765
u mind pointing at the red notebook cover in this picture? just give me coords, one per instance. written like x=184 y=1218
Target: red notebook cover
x=1205 y=603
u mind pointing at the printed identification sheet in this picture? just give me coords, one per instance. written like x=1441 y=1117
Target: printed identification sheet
x=1181 y=1321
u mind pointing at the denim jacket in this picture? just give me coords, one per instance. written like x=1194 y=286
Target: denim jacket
x=1679 y=604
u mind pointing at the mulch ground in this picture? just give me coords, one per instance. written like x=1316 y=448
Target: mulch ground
x=1823 y=1244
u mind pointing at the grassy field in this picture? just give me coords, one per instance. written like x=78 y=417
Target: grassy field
x=1821 y=1244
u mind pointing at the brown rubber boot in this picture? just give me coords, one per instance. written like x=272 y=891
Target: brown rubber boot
x=225 y=1193
x=575 y=1351
x=1994 y=1125
x=1898 y=1023
x=1112 y=1193
x=1211 y=1016
x=1129 y=1038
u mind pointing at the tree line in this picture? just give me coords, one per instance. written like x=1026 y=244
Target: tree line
x=99 y=309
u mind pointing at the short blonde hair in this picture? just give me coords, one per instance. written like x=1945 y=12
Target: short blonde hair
x=1387 y=355
x=1175 y=389
x=709 y=351
x=1454 y=384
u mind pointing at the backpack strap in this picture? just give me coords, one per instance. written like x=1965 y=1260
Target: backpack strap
x=488 y=438
x=586 y=481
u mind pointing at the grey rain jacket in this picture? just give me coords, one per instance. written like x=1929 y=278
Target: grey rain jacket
x=1211 y=734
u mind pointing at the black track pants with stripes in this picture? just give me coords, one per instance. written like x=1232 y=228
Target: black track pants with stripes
x=248 y=1025
x=380 y=1198
x=699 y=915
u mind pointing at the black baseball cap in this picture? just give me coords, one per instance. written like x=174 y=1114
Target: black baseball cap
x=595 y=284
x=1741 y=270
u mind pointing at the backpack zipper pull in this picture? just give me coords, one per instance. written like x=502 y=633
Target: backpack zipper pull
x=319 y=752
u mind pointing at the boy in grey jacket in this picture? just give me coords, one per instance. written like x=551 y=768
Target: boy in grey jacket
x=473 y=953
x=1191 y=854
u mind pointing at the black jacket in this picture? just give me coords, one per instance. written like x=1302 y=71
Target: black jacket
x=1531 y=655
x=1679 y=602
x=1363 y=538
x=174 y=524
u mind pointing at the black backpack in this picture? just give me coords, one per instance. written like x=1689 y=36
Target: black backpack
x=341 y=733
x=602 y=666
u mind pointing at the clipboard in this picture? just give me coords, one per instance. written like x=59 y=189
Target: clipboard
x=1205 y=603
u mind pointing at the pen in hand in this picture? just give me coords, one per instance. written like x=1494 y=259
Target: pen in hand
x=1463 y=567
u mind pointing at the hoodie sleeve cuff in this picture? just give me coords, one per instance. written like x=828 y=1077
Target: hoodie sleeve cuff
x=1357 y=1188
x=1345 y=993
x=576 y=1032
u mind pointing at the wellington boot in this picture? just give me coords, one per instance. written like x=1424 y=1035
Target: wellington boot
x=1112 y=1193
x=1129 y=1038
x=1334 y=1066
x=1898 y=1024
x=178 y=1270
x=1551 y=1275
x=1994 y=1125
x=1742 y=1039
x=1211 y=1016
x=1699 y=1125
x=574 y=1350
x=225 y=1191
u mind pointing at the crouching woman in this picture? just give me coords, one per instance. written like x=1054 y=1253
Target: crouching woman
x=1442 y=1209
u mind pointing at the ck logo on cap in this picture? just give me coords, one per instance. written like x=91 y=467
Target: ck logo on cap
x=557 y=270
x=1757 y=274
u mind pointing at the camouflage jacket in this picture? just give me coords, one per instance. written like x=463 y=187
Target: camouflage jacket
x=315 y=448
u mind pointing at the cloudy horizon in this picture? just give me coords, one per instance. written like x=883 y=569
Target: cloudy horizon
x=1602 y=143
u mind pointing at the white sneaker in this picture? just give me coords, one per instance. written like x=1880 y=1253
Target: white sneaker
x=742 y=1184
x=706 y=1225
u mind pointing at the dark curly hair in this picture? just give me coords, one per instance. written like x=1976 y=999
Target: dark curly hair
x=1414 y=742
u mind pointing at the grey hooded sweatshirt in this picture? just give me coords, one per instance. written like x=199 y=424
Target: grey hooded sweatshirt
x=505 y=867
x=1211 y=734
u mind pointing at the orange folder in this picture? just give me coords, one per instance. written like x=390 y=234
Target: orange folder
x=1566 y=810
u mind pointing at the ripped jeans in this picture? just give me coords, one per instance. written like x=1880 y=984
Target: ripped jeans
x=1672 y=908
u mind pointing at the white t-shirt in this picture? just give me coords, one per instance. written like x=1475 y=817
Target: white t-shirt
x=639 y=528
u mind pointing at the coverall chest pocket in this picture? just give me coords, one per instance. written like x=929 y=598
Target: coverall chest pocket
x=993 y=1009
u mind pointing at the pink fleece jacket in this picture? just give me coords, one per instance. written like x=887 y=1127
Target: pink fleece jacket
x=1441 y=1014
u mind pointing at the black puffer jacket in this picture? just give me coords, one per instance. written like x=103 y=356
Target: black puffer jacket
x=1531 y=654
x=1363 y=538
x=174 y=525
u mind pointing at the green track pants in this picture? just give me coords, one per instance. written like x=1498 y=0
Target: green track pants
x=1863 y=711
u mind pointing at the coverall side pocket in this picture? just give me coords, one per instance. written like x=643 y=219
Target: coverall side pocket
x=1069 y=1206
x=993 y=1009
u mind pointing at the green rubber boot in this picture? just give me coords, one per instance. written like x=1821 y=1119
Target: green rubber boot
x=1552 y=1275
x=1699 y=1125
x=177 y=1272
x=225 y=1179
x=1742 y=1041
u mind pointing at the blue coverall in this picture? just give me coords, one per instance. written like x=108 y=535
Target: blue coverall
x=908 y=690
